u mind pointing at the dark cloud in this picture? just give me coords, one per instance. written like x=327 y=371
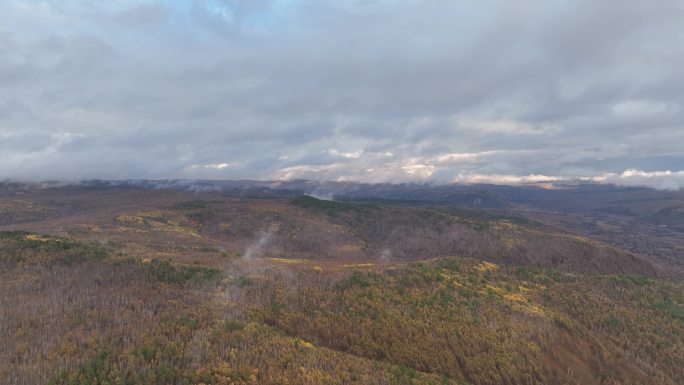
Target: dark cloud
x=354 y=90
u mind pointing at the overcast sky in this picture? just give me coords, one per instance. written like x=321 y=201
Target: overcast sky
x=386 y=90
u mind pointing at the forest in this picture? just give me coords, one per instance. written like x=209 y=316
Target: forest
x=215 y=289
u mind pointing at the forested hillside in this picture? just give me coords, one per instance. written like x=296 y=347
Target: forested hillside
x=74 y=313
x=190 y=226
x=132 y=286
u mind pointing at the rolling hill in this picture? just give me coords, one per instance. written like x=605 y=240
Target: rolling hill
x=132 y=285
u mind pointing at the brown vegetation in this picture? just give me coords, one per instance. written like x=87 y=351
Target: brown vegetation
x=170 y=287
x=114 y=320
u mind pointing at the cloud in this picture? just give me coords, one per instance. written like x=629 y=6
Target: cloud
x=409 y=90
x=639 y=108
x=217 y=166
x=348 y=155
x=503 y=126
x=506 y=179
x=663 y=180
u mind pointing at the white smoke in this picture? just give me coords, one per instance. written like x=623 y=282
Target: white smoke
x=257 y=247
x=386 y=256
x=323 y=197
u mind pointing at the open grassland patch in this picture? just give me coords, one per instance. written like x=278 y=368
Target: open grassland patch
x=24 y=247
x=158 y=221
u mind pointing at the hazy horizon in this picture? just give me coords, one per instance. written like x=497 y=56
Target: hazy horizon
x=205 y=184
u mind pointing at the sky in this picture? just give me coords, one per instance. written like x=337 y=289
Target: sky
x=508 y=91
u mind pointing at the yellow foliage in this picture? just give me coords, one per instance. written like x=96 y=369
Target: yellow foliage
x=289 y=261
x=301 y=342
x=515 y=297
x=132 y=219
x=357 y=265
x=36 y=237
x=486 y=266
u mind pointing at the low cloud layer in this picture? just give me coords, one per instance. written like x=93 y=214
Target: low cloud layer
x=410 y=90
x=663 y=180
